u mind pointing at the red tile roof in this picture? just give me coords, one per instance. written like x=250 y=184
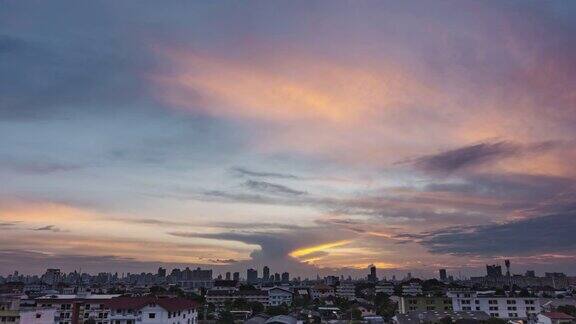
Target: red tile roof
x=169 y=304
x=557 y=315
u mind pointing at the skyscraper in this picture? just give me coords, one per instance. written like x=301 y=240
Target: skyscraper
x=372 y=276
x=285 y=277
x=266 y=274
x=228 y=275
x=236 y=276
x=251 y=276
x=443 y=276
x=494 y=271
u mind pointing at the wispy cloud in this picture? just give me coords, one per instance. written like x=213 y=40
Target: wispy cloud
x=262 y=174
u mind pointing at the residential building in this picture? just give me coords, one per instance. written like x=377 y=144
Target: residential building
x=14 y=310
x=346 y=290
x=384 y=287
x=505 y=307
x=411 y=289
x=76 y=309
x=321 y=291
x=436 y=317
x=554 y=318
x=411 y=304
x=278 y=296
x=152 y=310
x=219 y=297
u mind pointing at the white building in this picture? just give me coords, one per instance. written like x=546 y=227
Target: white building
x=496 y=306
x=37 y=316
x=77 y=308
x=219 y=297
x=321 y=291
x=152 y=310
x=346 y=290
x=384 y=288
x=13 y=309
x=411 y=289
x=278 y=296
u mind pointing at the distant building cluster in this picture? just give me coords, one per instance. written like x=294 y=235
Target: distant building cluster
x=190 y=296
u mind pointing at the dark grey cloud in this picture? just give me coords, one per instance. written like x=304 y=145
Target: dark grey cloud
x=262 y=174
x=475 y=155
x=272 y=188
x=544 y=234
x=467 y=156
x=7 y=225
x=50 y=228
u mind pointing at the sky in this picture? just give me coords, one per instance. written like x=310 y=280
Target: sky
x=315 y=137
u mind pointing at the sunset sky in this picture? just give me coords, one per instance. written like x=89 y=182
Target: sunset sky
x=309 y=136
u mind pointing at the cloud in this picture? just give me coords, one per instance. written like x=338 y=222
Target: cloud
x=465 y=157
x=36 y=166
x=544 y=234
x=251 y=173
x=272 y=188
x=50 y=228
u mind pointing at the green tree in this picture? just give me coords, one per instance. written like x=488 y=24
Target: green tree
x=225 y=318
x=356 y=314
x=494 y=320
x=277 y=310
x=256 y=307
x=567 y=309
x=446 y=320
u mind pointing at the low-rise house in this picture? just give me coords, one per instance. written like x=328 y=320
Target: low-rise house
x=554 y=318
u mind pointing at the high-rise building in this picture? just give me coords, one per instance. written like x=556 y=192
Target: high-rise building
x=251 y=276
x=372 y=276
x=443 y=275
x=52 y=276
x=236 y=276
x=285 y=277
x=266 y=274
x=494 y=271
x=530 y=273
x=161 y=272
x=276 y=277
x=228 y=275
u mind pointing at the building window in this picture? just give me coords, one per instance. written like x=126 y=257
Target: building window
x=151 y=315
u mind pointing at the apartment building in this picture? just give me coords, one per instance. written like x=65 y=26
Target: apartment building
x=278 y=296
x=412 y=304
x=505 y=307
x=14 y=311
x=346 y=290
x=411 y=289
x=76 y=309
x=219 y=297
x=384 y=288
x=152 y=310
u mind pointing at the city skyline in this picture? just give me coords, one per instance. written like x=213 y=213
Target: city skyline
x=313 y=138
